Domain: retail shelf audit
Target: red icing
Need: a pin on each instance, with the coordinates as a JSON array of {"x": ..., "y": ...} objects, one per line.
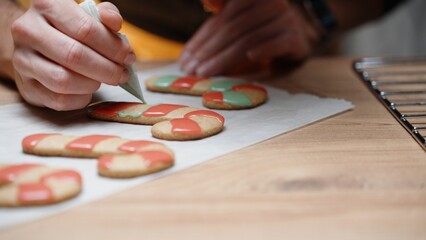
[
  {"x": 161, "y": 110},
  {"x": 186, "y": 82},
  {"x": 63, "y": 175},
  {"x": 185, "y": 126},
  {"x": 34, "y": 193},
  {"x": 87, "y": 143},
  {"x": 249, "y": 86},
  {"x": 133, "y": 146},
  {"x": 10, "y": 173},
  {"x": 206, "y": 113},
  {"x": 104, "y": 162},
  {"x": 213, "y": 97},
  {"x": 111, "y": 109},
  {"x": 153, "y": 158},
  {"x": 32, "y": 140}
]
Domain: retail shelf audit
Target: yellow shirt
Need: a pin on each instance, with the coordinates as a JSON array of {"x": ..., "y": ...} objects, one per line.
[{"x": 147, "y": 46}]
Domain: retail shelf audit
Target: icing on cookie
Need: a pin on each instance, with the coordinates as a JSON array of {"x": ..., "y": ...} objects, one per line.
[
  {"x": 153, "y": 158},
  {"x": 87, "y": 143},
  {"x": 111, "y": 109},
  {"x": 236, "y": 98},
  {"x": 63, "y": 175},
  {"x": 185, "y": 126},
  {"x": 186, "y": 82},
  {"x": 222, "y": 86},
  {"x": 213, "y": 97},
  {"x": 10, "y": 173},
  {"x": 133, "y": 146},
  {"x": 104, "y": 162},
  {"x": 124, "y": 114},
  {"x": 161, "y": 110},
  {"x": 165, "y": 81},
  {"x": 33, "y": 140},
  {"x": 34, "y": 192},
  {"x": 206, "y": 113},
  {"x": 230, "y": 97}
]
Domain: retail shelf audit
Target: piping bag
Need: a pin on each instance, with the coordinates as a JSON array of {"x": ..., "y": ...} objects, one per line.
[{"x": 132, "y": 86}]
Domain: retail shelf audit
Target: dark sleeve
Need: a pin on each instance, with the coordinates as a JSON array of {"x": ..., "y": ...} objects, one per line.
[
  {"x": 173, "y": 19},
  {"x": 389, "y": 5}
]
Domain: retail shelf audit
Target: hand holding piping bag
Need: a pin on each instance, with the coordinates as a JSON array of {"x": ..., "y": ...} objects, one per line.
[{"x": 132, "y": 85}]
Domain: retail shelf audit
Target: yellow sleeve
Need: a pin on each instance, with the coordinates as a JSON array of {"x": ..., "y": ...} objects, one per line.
[{"x": 147, "y": 46}]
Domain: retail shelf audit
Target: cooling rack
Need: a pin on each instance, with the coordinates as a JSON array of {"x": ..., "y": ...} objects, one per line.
[{"x": 400, "y": 84}]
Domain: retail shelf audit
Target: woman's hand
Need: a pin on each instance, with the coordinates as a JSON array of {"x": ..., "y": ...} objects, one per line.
[
  {"x": 249, "y": 30},
  {"x": 62, "y": 54}
]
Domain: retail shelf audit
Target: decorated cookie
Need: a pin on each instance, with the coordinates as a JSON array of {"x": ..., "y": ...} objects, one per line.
[
  {"x": 217, "y": 94},
  {"x": 118, "y": 157},
  {"x": 170, "y": 121},
  {"x": 36, "y": 184},
  {"x": 135, "y": 164}
]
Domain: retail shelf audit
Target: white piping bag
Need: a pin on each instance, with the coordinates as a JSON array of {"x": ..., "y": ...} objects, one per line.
[{"x": 132, "y": 85}]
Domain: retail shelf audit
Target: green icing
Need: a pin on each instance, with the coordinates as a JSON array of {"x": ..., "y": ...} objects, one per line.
[
  {"x": 221, "y": 86},
  {"x": 236, "y": 98},
  {"x": 165, "y": 81},
  {"x": 124, "y": 114}
]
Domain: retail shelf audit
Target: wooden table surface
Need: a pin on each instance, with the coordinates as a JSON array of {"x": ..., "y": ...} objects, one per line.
[{"x": 358, "y": 175}]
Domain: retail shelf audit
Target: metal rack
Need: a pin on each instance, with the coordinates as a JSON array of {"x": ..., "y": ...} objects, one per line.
[{"x": 400, "y": 84}]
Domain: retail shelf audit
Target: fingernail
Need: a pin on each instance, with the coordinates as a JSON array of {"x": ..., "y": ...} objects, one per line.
[
  {"x": 253, "y": 54},
  {"x": 130, "y": 59},
  {"x": 124, "y": 76},
  {"x": 184, "y": 57},
  {"x": 113, "y": 13},
  {"x": 203, "y": 70},
  {"x": 191, "y": 66}
]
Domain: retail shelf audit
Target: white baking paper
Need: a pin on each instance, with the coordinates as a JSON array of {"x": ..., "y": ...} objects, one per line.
[{"x": 283, "y": 112}]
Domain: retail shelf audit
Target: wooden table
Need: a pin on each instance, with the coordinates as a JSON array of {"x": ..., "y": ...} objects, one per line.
[{"x": 358, "y": 175}]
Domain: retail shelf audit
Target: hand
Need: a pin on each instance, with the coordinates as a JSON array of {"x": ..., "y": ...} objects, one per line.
[
  {"x": 62, "y": 54},
  {"x": 249, "y": 30}
]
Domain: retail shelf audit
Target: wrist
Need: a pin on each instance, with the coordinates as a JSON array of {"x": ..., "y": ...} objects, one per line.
[{"x": 319, "y": 16}]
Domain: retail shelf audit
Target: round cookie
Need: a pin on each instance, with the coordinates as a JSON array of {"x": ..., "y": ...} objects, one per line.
[
  {"x": 170, "y": 121},
  {"x": 226, "y": 94},
  {"x": 36, "y": 184}
]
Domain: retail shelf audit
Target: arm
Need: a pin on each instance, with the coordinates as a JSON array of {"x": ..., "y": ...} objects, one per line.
[{"x": 9, "y": 12}]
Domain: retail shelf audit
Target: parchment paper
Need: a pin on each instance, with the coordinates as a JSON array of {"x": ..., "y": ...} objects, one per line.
[{"x": 282, "y": 113}]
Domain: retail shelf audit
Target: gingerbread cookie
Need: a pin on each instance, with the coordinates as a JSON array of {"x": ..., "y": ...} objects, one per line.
[
  {"x": 170, "y": 121},
  {"x": 217, "y": 94},
  {"x": 36, "y": 184},
  {"x": 118, "y": 157}
]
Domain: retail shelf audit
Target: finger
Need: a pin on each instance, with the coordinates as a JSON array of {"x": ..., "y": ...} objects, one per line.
[
  {"x": 232, "y": 8},
  {"x": 197, "y": 40},
  {"x": 236, "y": 52},
  {"x": 290, "y": 45},
  {"x": 236, "y": 28},
  {"x": 67, "y": 52},
  {"x": 70, "y": 19},
  {"x": 110, "y": 16},
  {"x": 38, "y": 95},
  {"x": 54, "y": 77}
]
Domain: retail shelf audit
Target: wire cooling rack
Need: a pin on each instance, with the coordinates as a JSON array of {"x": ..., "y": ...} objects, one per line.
[{"x": 400, "y": 84}]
